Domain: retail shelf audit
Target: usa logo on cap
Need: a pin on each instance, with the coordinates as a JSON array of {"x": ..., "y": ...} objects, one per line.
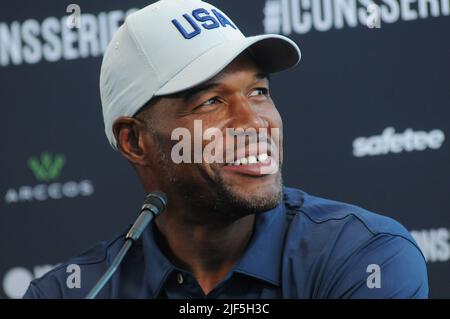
[{"x": 208, "y": 22}]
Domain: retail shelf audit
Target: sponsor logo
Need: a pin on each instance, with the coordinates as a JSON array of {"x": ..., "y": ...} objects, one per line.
[
  {"x": 17, "y": 279},
  {"x": 434, "y": 243},
  {"x": 47, "y": 168},
  {"x": 391, "y": 142},
  {"x": 76, "y": 36},
  {"x": 303, "y": 16}
]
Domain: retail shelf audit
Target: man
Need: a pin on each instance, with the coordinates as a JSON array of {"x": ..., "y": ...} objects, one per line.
[{"x": 230, "y": 230}]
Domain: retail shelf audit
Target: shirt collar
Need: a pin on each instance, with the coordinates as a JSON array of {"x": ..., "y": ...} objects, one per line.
[
  {"x": 261, "y": 259},
  {"x": 157, "y": 266}
]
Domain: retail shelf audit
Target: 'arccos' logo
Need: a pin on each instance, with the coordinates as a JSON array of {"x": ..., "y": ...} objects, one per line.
[{"x": 47, "y": 169}]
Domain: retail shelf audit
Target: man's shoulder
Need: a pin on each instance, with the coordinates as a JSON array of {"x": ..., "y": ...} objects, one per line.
[
  {"x": 333, "y": 245},
  {"x": 338, "y": 229},
  {"x": 326, "y": 213},
  {"x": 61, "y": 281}
]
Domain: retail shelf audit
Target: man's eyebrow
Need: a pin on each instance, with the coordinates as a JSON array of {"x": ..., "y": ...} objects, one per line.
[
  {"x": 262, "y": 76},
  {"x": 196, "y": 90}
]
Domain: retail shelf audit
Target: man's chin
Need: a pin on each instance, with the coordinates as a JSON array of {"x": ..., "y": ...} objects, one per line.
[
  {"x": 257, "y": 203},
  {"x": 251, "y": 199}
]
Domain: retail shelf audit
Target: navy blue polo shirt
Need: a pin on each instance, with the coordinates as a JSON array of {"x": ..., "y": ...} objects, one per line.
[{"x": 306, "y": 247}]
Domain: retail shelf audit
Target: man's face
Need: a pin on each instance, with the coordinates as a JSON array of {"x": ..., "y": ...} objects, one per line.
[{"x": 237, "y": 98}]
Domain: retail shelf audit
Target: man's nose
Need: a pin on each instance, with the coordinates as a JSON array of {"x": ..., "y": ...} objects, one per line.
[{"x": 246, "y": 115}]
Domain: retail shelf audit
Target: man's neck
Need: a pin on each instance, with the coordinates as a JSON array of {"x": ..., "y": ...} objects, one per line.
[{"x": 208, "y": 251}]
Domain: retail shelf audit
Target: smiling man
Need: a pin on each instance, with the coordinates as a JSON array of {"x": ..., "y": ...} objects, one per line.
[{"x": 230, "y": 230}]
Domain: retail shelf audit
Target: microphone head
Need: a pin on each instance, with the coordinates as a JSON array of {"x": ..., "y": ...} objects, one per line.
[{"x": 156, "y": 198}]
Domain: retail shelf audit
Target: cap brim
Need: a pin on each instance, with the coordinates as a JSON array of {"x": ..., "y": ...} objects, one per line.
[{"x": 272, "y": 52}]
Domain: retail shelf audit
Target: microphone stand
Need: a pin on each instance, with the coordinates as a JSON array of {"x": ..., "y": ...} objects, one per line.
[{"x": 154, "y": 204}]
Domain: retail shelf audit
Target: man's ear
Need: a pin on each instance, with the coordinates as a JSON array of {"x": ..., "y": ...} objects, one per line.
[{"x": 132, "y": 139}]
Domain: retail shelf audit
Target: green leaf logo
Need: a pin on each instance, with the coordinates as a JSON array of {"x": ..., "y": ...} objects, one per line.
[{"x": 48, "y": 167}]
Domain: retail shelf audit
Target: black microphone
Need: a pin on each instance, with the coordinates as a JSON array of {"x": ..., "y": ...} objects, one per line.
[{"x": 154, "y": 204}]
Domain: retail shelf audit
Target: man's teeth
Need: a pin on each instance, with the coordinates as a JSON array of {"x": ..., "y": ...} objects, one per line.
[
  {"x": 263, "y": 157},
  {"x": 250, "y": 160}
]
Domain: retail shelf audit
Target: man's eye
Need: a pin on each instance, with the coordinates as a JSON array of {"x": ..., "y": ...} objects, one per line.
[
  {"x": 259, "y": 91},
  {"x": 212, "y": 101}
]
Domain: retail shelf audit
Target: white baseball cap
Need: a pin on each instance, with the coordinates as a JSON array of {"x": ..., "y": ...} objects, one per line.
[{"x": 174, "y": 45}]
